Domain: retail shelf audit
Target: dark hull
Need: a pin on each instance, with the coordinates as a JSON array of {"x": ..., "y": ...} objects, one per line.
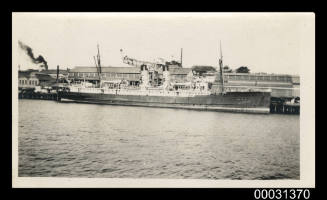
[{"x": 248, "y": 102}]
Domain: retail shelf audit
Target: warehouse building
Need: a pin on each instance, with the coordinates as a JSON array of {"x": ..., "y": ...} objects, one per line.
[{"x": 130, "y": 74}]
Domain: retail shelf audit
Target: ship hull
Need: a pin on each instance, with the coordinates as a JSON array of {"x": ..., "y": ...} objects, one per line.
[{"x": 244, "y": 102}]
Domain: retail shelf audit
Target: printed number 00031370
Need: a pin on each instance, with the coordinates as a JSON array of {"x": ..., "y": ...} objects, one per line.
[{"x": 281, "y": 194}]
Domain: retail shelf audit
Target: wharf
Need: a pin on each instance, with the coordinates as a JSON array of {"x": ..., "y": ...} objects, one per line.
[
  {"x": 36, "y": 95},
  {"x": 285, "y": 108}
]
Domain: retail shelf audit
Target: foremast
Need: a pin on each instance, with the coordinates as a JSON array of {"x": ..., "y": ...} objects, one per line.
[
  {"x": 98, "y": 64},
  {"x": 218, "y": 86},
  {"x": 221, "y": 70}
]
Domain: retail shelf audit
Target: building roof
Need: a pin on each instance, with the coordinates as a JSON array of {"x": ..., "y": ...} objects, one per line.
[
  {"x": 26, "y": 73},
  {"x": 44, "y": 77},
  {"x": 128, "y": 70},
  {"x": 133, "y": 70},
  {"x": 180, "y": 71},
  {"x": 261, "y": 74},
  {"x": 54, "y": 71},
  {"x": 23, "y": 74}
]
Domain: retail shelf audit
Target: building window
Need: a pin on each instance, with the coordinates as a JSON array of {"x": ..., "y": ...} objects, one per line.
[{"x": 282, "y": 78}]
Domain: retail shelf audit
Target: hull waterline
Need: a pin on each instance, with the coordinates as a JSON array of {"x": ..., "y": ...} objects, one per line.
[{"x": 241, "y": 102}]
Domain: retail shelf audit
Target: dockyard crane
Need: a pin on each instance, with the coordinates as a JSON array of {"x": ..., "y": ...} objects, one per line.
[{"x": 152, "y": 66}]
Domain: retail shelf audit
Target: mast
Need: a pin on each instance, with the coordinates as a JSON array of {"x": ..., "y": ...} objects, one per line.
[
  {"x": 181, "y": 57},
  {"x": 98, "y": 64},
  {"x": 57, "y": 74},
  {"x": 221, "y": 68}
]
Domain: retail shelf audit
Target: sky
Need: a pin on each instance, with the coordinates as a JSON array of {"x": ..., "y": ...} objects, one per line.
[{"x": 264, "y": 42}]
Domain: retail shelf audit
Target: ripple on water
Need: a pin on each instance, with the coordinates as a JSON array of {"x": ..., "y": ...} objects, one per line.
[{"x": 135, "y": 142}]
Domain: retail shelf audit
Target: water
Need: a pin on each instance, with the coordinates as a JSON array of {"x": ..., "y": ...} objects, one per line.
[{"x": 84, "y": 140}]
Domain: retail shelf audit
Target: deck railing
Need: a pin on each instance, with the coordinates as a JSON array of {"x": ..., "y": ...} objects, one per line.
[{"x": 139, "y": 92}]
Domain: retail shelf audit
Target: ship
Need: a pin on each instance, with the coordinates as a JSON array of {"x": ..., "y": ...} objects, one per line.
[{"x": 197, "y": 94}]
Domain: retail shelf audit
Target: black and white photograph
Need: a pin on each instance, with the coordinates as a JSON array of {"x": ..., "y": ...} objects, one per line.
[{"x": 163, "y": 99}]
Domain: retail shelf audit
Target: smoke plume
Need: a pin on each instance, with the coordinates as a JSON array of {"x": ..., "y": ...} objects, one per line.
[{"x": 29, "y": 52}]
